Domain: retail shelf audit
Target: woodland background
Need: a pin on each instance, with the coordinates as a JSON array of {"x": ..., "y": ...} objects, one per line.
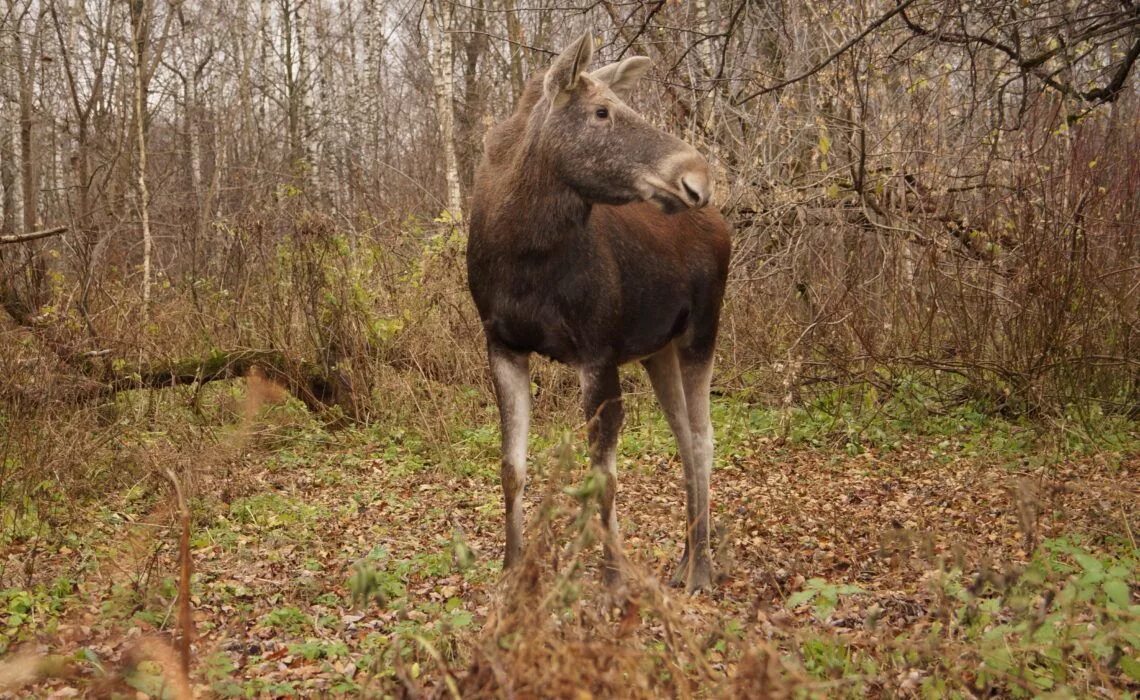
[{"x": 936, "y": 208}]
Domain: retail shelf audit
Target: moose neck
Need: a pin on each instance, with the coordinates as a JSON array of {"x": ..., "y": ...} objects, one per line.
[{"x": 542, "y": 211}]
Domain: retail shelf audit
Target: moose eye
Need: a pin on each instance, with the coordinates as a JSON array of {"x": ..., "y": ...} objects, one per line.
[{"x": 601, "y": 113}]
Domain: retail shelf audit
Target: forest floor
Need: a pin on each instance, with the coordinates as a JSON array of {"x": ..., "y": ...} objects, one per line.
[{"x": 960, "y": 556}]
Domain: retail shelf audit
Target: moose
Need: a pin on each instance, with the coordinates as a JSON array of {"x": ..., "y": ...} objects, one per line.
[{"x": 591, "y": 243}]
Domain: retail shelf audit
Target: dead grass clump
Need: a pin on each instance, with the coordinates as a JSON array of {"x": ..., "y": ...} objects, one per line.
[
  {"x": 149, "y": 665},
  {"x": 28, "y": 666}
]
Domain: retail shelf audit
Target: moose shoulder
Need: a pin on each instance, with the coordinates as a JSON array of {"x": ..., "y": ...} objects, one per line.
[{"x": 591, "y": 244}]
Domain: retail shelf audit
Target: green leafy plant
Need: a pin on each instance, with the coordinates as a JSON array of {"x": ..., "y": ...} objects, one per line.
[
  {"x": 823, "y": 596},
  {"x": 1069, "y": 614},
  {"x": 313, "y": 649},
  {"x": 287, "y": 619}
]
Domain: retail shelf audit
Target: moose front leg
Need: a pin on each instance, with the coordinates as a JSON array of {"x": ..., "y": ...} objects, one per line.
[
  {"x": 601, "y": 394},
  {"x": 510, "y": 373}
]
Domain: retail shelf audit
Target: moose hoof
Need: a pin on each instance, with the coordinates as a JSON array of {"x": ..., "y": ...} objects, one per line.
[
  {"x": 511, "y": 558},
  {"x": 611, "y": 576},
  {"x": 681, "y": 573},
  {"x": 698, "y": 579}
]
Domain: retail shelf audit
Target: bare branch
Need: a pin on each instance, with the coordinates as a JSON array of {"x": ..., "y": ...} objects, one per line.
[
  {"x": 1034, "y": 65},
  {"x": 847, "y": 45}
]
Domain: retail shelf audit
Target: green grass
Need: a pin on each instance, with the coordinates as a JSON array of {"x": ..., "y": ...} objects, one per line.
[{"x": 268, "y": 511}]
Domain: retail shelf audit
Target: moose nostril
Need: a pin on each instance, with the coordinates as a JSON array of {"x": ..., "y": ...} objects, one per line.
[{"x": 694, "y": 195}]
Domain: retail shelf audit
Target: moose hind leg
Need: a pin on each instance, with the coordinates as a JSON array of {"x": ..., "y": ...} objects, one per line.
[
  {"x": 601, "y": 396},
  {"x": 665, "y": 374},
  {"x": 510, "y": 373},
  {"x": 696, "y": 376}
]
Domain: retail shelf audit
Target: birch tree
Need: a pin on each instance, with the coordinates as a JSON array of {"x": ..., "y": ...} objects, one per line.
[
  {"x": 441, "y": 52},
  {"x": 139, "y": 44}
]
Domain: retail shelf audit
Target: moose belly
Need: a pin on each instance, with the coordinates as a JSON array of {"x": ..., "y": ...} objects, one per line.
[
  {"x": 545, "y": 335},
  {"x": 646, "y": 333},
  {"x": 564, "y": 338}
]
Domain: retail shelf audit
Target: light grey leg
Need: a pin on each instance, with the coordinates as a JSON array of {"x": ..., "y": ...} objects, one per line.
[
  {"x": 696, "y": 376},
  {"x": 665, "y": 374},
  {"x": 510, "y": 373},
  {"x": 601, "y": 398}
]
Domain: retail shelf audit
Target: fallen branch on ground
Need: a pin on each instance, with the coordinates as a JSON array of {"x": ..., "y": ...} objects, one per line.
[
  {"x": 317, "y": 389},
  {"x": 33, "y": 236}
]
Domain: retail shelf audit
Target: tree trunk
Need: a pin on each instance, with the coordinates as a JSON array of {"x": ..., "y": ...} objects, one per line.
[
  {"x": 515, "y": 35},
  {"x": 302, "y": 84},
  {"x": 293, "y": 78},
  {"x": 139, "y": 36},
  {"x": 8, "y": 130},
  {"x": 441, "y": 68},
  {"x": 194, "y": 145},
  {"x": 32, "y": 235},
  {"x": 28, "y": 179},
  {"x": 27, "y": 286},
  {"x": 705, "y": 50},
  {"x": 318, "y": 389},
  {"x": 472, "y": 127},
  {"x": 374, "y": 55},
  {"x": 7, "y": 181}
]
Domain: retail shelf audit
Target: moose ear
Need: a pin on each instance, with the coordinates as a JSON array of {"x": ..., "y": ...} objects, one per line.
[
  {"x": 562, "y": 77},
  {"x": 622, "y": 76}
]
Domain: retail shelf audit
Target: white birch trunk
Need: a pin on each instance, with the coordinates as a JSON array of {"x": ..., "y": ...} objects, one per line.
[
  {"x": 309, "y": 142},
  {"x": 441, "y": 68},
  {"x": 194, "y": 138},
  {"x": 139, "y": 42},
  {"x": 705, "y": 50},
  {"x": 375, "y": 76}
]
